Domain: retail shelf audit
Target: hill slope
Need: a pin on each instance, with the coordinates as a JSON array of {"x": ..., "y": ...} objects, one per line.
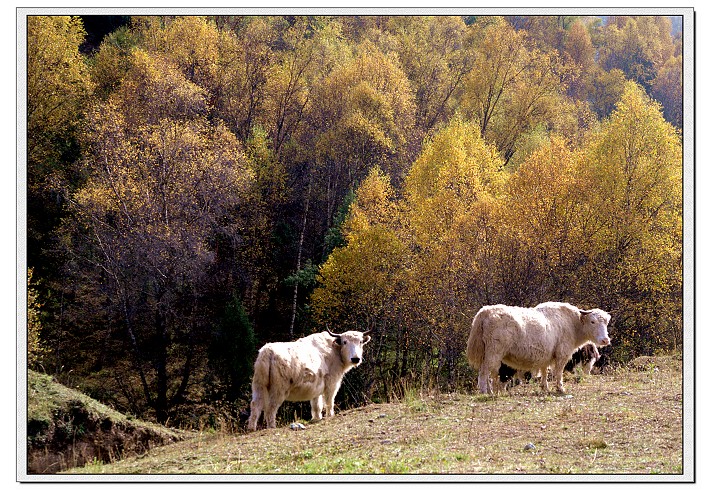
[
  {"x": 66, "y": 428},
  {"x": 627, "y": 421}
]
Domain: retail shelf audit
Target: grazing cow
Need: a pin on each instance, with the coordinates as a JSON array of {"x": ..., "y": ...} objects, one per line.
[
  {"x": 585, "y": 357},
  {"x": 506, "y": 374},
  {"x": 508, "y": 377},
  {"x": 531, "y": 339},
  {"x": 310, "y": 368}
]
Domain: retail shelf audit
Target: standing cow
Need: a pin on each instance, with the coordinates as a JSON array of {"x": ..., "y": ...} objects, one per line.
[
  {"x": 531, "y": 339},
  {"x": 310, "y": 368}
]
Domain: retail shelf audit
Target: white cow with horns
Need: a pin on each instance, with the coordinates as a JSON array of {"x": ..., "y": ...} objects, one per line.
[
  {"x": 311, "y": 368},
  {"x": 531, "y": 339}
]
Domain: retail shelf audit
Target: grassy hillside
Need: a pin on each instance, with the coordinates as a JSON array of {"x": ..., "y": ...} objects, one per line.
[
  {"x": 627, "y": 421},
  {"x": 66, "y": 428}
]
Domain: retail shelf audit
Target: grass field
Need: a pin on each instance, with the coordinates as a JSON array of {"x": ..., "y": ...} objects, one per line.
[{"x": 628, "y": 421}]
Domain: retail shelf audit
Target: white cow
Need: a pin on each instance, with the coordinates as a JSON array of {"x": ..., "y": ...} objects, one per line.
[
  {"x": 310, "y": 368},
  {"x": 531, "y": 339}
]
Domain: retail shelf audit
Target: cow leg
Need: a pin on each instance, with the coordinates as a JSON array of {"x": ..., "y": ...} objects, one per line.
[
  {"x": 270, "y": 409},
  {"x": 257, "y": 405},
  {"x": 329, "y": 404},
  {"x": 329, "y": 396},
  {"x": 483, "y": 381},
  {"x": 559, "y": 373},
  {"x": 254, "y": 416},
  {"x": 519, "y": 378},
  {"x": 543, "y": 380},
  {"x": 270, "y": 416},
  {"x": 317, "y": 408},
  {"x": 484, "y": 374}
]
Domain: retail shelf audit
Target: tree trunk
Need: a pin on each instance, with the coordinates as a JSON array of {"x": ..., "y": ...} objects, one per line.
[
  {"x": 298, "y": 257},
  {"x": 161, "y": 394}
]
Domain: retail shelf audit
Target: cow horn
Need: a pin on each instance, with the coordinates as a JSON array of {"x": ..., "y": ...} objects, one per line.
[
  {"x": 366, "y": 332},
  {"x": 585, "y": 312}
]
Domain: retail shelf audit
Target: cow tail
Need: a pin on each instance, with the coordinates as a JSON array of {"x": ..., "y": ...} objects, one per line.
[
  {"x": 262, "y": 370},
  {"x": 270, "y": 365},
  {"x": 475, "y": 346}
]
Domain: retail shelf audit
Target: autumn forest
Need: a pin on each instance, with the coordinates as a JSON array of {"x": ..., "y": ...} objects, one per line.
[{"x": 199, "y": 186}]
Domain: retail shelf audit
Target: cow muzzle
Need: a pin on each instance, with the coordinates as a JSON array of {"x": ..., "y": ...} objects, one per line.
[
  {"x": 605, "y": 341},
  {"x": 355, "y": 360}
]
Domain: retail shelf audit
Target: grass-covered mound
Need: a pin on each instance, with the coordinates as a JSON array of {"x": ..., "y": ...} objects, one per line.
[{"x": 66, "y": 428}]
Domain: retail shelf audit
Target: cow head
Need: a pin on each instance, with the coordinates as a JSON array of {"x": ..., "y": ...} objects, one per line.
[
  {"x": 594, "y": 324},
  {"x": 350, "y": 344}
]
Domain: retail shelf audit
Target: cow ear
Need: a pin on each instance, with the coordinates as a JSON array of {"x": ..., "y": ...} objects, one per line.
[
  {"x": 583, "y": 314},
  {"x": 338, "y": 341}
]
